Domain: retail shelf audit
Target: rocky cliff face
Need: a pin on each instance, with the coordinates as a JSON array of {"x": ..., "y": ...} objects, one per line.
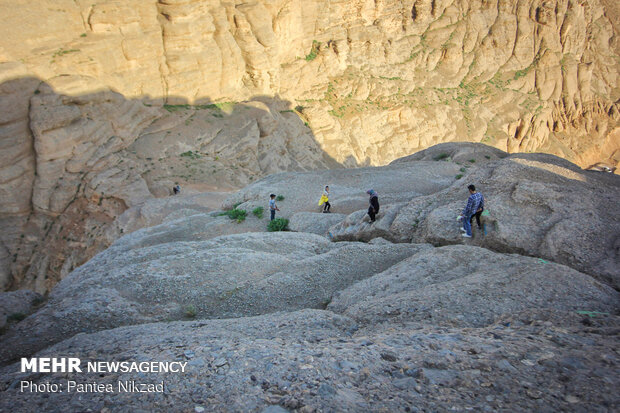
[
  {"x": 252, "y": 88},
  {"x": 378, "y": 79}
]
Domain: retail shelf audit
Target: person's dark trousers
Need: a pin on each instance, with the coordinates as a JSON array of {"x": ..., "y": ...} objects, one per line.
[
  {"x": 326, "y": 207},
  {"x": 371, "y": 213},
  {"x": 273, "y": 214},
  {"x": 477, "y": 215}
]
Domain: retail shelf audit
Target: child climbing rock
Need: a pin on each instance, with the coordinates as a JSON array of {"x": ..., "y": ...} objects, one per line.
[
  {"x": 325, "y": 200},
  {"x": 272, "y": 206}
]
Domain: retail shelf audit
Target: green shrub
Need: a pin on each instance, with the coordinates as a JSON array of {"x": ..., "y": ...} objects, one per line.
[
  {"x": 18, "y": 316},
  {"x": 472, "y": 160},
  {"x": 62, "y": 51},
  {"x": 174, "y": 108},
  {"x": 314, "y": 51},
  {"x": 280, "y": 198},
  {"x": 190, "y": 154},
  {"x": 462, "y": 169},
  {"x": 258, "y": 212},
  {"x": 487, "y": 156},
  {"x": 190, "y": 311},
  {"x": 278, "y": 224},
  {"x": 38, "y": 301},
  {"x": 225, "y": 106},
  {"x": 459, "y": 176},
  {"x": 441, "y": 156},
  {"x": 235, "y": 214}
]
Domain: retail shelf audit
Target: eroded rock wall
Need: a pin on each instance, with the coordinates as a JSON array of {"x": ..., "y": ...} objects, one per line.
[{"x": 377, "y": 79}]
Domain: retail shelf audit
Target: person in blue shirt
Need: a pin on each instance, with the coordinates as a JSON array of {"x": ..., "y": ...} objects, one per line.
[
  {"x": 474, "y": 207},
  {"x": 272, "y": 206}
]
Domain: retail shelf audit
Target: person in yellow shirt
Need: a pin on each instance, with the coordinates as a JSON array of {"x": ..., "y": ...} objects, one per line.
[{"x": 325, "y": 200}]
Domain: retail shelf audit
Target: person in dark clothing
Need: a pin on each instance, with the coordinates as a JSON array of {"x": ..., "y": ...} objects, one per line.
[
  {"x": 373, "y": 209},
  {"x": 176, "y": 189}
]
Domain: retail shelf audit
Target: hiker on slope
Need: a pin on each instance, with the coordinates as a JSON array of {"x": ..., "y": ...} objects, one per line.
[
  {"x": 325, "y": 200},
  {"x": 373, "y": 209},
  {"x": 474, "y": 208},
  {"x": 272, "y": 206}
]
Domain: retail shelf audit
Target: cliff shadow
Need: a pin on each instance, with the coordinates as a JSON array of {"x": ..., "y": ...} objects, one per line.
[{"x": 77, "y": 160}]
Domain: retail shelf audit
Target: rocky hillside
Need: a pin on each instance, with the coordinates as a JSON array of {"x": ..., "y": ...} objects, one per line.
[
  {"x": 523, "y": 316},
  {"x": 106, "y": 104}
]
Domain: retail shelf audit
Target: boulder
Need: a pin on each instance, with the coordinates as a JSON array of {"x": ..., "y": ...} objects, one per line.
[
  {"x": 462, "y": 152},
  {"x": 357, "y": 226},
  {"x": 465, "y": 286},
  {"x": 314, "y": 223}
]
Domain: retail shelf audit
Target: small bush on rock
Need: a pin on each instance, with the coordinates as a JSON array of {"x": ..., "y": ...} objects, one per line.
[
  {"x": 278, "y": 224},
  {"x": 235, "y": 214},
  {"x": 258, "y": 212},
  {"x": 190, "y": 311},
  {"x": 314, "y": 51}
]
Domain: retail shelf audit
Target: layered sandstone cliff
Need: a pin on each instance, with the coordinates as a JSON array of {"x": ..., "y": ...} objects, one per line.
[
  {"x": 379, "y": 79},
  {"x": 254, "y": 87}
]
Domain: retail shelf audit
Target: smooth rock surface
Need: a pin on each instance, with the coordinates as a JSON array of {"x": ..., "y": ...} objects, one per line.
[
  {"x": 147, "y": 277},
  {"x": 314, "y": 222},
  {"x": 470, "y": 286}
]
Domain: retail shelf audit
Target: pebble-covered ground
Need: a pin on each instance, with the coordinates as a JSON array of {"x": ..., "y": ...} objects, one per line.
[{"x": 317, "y": 361}]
